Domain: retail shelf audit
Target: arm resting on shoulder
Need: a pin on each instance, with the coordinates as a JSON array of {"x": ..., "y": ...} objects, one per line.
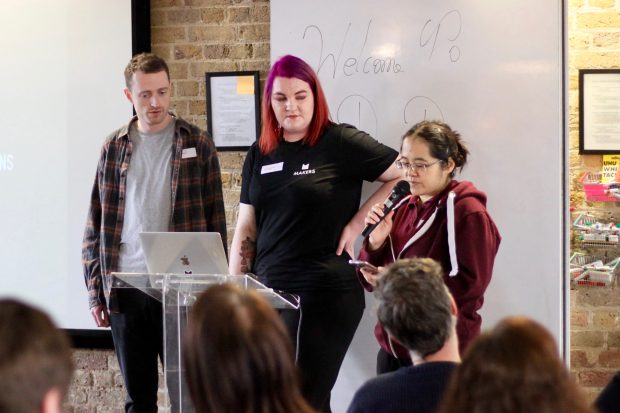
[{"x": 356, "y": 225}]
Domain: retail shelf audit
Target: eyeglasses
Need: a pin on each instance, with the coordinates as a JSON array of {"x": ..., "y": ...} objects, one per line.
[{"x": 413, "y": 167}]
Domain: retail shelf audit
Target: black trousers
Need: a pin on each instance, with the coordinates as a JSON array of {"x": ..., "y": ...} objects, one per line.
[
  {"x": 137, "y": 331},
  {"x": 322, "y": 332}
]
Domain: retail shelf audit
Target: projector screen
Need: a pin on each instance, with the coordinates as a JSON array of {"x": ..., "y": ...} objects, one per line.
[{"x": 62, "y": 70}]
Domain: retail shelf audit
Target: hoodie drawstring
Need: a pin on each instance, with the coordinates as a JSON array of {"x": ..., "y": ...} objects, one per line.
[
  {"x": 451, "y": 237},
  {"x": 451, "y": 233}
]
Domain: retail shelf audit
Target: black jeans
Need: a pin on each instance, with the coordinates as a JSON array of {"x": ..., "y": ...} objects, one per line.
[
  {"x": 327, "y": 323},
  {"x": 137, "y": 331}
]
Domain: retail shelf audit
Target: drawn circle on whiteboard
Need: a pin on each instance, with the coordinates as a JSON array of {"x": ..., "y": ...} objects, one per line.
[
  {"x": 455, "y": 53},
  {"x": 420, "y": 108},
  {"x": 358, "y": 111}
]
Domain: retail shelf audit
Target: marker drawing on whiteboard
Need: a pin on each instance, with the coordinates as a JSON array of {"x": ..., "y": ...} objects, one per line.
[
  {"x": 358, "y": 111},
  {"x": 364, "y": 63},
  {"x": 422, "y": 108},
  {"x": 431, "y": 32}
]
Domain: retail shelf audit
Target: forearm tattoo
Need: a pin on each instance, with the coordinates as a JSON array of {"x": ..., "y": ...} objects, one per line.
[{"x": 248, "y": 254}]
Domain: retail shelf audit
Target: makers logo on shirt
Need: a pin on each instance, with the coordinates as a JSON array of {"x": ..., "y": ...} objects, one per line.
[{"x": 305, "y": 170}]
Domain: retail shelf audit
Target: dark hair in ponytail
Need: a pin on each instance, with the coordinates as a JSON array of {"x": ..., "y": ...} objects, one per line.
[{"x": 443, "y": 142}]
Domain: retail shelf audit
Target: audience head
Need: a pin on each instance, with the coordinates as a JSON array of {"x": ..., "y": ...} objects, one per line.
[
  {"x": 513, "y": 368},
  {"x": 291, "y": 67},
  {"x": 35, "y": 360},
  {"x": 415, "y": 306},
  {"x": 237, "y": 355},
  {"x": 444, "y": 144}
]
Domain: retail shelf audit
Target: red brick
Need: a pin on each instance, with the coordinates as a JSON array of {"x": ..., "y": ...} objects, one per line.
[
  {"x": 610, "y": 358},
  {"x": 579, "y": 359},
  {"x": 594, "y": 378}
]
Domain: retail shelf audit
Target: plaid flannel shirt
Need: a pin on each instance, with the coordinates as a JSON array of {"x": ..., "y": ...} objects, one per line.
[{"x": 197, "y": 203}]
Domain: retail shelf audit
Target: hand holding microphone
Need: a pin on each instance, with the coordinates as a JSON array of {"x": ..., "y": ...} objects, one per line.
[{"x": 378, "y": 213}]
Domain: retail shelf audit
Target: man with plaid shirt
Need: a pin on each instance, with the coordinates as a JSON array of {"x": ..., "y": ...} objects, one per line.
[{"x": 158, "y": 173}]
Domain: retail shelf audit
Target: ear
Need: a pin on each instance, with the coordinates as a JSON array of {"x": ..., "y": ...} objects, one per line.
[
  {"x": 128, "y": 95},
  {"x": 453, "y": 308},
  {"x": 450, "y": 166},
  {"x": 52, "y": 400}
]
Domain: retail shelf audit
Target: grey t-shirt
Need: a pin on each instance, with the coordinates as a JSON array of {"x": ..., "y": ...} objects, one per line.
[{"x": 148, "y": 193}]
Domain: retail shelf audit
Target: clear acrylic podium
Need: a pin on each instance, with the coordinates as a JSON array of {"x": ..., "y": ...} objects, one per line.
[{"x": 178, "y": 292}]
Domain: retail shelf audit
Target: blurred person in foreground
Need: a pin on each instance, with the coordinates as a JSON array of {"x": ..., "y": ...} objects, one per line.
[
  {"x": 514, "y": 368},
  {"x": 36, "y": 363},
  {"x": 237, "y": 355}
]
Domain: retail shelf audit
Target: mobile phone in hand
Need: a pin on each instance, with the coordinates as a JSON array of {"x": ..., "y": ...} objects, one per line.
[{"x": 364, "y": 264}]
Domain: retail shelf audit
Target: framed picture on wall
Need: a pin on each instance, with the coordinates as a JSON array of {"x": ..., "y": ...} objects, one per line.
[
  {"x": 233, "y": 109},
  {"x": 599, "y": 111}
]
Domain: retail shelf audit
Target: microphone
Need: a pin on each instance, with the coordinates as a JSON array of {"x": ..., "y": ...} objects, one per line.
[{"x": 399, "y": 192}]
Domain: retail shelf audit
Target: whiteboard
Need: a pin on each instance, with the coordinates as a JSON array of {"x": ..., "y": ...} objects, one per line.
[{"x": 494, "y": 72}]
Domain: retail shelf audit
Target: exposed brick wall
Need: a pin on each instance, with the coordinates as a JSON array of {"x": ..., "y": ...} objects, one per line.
[
  {"x": 198, "y": 36},
  {"x": 594, "y": 43}
]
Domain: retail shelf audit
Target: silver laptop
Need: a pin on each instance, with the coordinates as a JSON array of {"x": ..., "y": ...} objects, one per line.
[{"x": 184, "y": 252}]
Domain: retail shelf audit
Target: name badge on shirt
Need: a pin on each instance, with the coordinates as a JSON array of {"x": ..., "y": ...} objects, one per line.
[
  {"x": 188, "y": 153},
  {"x": 274, "y": 167}
]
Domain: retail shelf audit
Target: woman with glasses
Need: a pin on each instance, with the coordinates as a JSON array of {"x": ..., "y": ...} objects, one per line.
[
  {"x": 443, "y": 219},
  {"x": 299, "y": 216}
]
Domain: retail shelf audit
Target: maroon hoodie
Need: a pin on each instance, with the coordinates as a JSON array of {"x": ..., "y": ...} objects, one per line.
[{"x": 476, "y": 243}]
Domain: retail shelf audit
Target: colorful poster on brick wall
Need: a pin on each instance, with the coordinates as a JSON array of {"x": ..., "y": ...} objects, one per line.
[{"x": 611, "y": 164}]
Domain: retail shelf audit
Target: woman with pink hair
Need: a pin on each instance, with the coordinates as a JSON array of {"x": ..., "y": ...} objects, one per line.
[{"x": 299, "y": 216}]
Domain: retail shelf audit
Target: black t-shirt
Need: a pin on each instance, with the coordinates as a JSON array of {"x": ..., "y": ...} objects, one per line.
[{"x": 303, "y": 198}]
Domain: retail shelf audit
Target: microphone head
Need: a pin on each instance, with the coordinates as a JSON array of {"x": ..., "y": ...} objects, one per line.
[{"x": 402, "y": 188}]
